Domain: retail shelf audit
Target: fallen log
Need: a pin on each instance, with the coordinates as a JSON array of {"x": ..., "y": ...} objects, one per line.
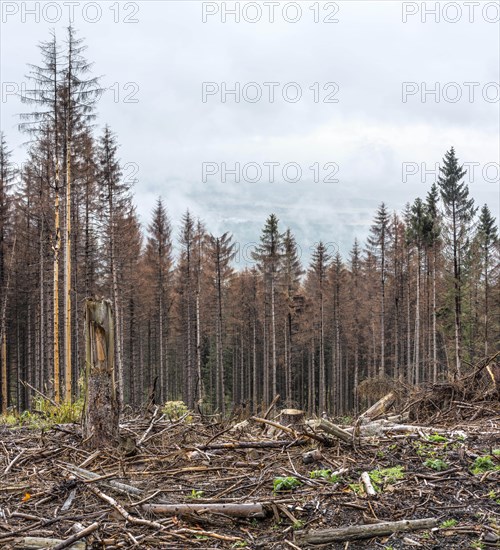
[
  {"x": 354, "y": 532},
  {"x": 380, "y": 407},
  {"x": 274, "y": 425},
  {"x": 253, "y": 444},
  {"x": 36, "y": 543},
  {"x": 240, "y": 510},
  {"x": 383, "y": 426},
  {"x": 68, "y": 543},
  {"x": 330, "y": 428},
  {"x": 92, "y": 476},
  {"x": 367, "y": 482},
  {"x": 121, "y": 510}
]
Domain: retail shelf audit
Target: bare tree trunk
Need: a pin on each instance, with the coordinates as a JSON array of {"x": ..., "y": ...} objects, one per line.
[
  {"x": 116, "y": 307},
  {"x": 289, "y": 390},
  {"x": 254, "y": 367},
  {"x": 3, "y": 334},
  {"x": 408, "y": 324},
  {"x": 486, "y": 301},
  {"x": 273, "y": 330},
  {"x": 242, "y": 368},
  {"x": 417, "y": 325},
  {"x": 101, "y": 413},
  {"x": 265, "y": 385},
  {"x": 458, "y": 290},
  {"x": 221, "y": 397},
  {"x": 434, "y": 329},
  {"x": 67, "y": 276},
  {"x": 163, "y": 373},
  {"x": 382, "y": 315},
  {"x": 286, "y": 362},
  {"x": 56, "y": 248},
  {"x": 322, "y": 374},
  {"x": 198, "y": 344},
  {"x": 356, "y": 379}
]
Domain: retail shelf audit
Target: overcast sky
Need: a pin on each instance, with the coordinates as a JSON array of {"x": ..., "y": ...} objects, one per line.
[{"x": 365, "y": 129}]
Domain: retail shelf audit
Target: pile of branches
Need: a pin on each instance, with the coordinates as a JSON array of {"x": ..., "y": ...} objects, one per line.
[
  {"x": 266, "y": 483},
  {"x": 473, "y": 396}
]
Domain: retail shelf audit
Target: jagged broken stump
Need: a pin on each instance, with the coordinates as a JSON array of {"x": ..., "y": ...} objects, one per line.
[{"x": 101, "y": 413}]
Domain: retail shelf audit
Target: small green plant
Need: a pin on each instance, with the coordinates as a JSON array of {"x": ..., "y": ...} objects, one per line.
[
  {"x": 196, "y": 494},
  {"x": 285, "y": 483},
  {"x": 174, "y": 410},
  {"x": 483, "y": 464},
  {"x": 493, "y": 495},
  {"x": 240, "y": 544},
  {"x": 9, "y": 419},
  {"x": 436, "y": 438},
  {"x": 424, "y": 450},
  {"x": 356, "y": 488},
  {"x": 477, "y": 544},
  {"x": 386, "y": 476},
  {"x": 448, "y": 523},
  {"x": 298, "y": 524},
  {"x": 324, "y": 474},
  {"x": 45, "y": 414},
  {"x": 496, "y": 452},
  {"x": 436, "y": 464}
]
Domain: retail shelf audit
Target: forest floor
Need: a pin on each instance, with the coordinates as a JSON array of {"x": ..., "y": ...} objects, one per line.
[{"x": 450, "y": 473}]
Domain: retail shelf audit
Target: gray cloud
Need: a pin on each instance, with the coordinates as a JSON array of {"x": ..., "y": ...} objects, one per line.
[{"x": 370, "y": 133}]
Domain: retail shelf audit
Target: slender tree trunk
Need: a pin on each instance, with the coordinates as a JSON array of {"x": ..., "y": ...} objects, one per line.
[
  {"x": 289, "y": 390},
  {"x": 219, "y": 343},
  {"x": 116, "y": 307},
  {"x": 434, "y": 329},
  {"x": 338, "y": 357},
  {"x": 56, "y": 249},
  {"x": 417, "y": 325},
  {"x": 322, "y": 377},
  {"x": 311, "y": 381},
  {"x": 285, "y": 334},
  {"x": 198, "y": 345},
  {"x": 163, "y": 373},
  {"x": 486, "y": 302},
  {"x": 41, "y": 327},
  {"x": 458, "y": 290},
  {"x": 3, "y": 333},
  {"x": 242, "y": 368},
  {"x": 254, "y": 367},
  {"x": 67, "y": 277},
  {"x": 382, "y": 314},
  {"x": 265, "y": 385},
  {"x": 356, "y": 379},
  {"x": 273, "y": 330},
  {"x": 408, "y": 323}
]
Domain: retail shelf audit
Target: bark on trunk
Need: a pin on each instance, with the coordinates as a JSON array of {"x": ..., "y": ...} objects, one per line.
[{"x": 100, "y": 419}]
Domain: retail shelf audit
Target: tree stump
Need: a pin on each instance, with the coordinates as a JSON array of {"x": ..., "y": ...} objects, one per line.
[
  {"x": 101, "y": 412},
  {"x": 292, "y": 417}
]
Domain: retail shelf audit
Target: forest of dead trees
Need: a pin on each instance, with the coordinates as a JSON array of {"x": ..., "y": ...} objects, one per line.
[{"x": 418, "y": 302}]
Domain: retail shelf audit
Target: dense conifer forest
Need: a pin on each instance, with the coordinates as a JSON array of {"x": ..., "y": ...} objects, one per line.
[{"x": 418, "y": 302}]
